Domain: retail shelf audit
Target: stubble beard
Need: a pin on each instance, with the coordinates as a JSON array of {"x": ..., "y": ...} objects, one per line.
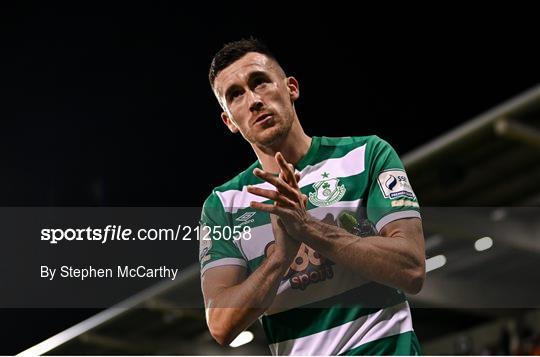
[{"x": 274, "y": 136}]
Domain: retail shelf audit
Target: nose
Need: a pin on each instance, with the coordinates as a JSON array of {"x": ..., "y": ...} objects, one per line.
[{"x": 255, "y": 102}]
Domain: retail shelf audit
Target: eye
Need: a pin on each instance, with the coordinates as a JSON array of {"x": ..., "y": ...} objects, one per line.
[
  {"x": 234, "y": 94},
  {"x": 259, "y": 81}
]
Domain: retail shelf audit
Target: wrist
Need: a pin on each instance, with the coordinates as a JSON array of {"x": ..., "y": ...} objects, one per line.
[
  {"x": 315, "y": 233},
  {"x": 280, "y": 260},
  {"x": 277, "y": 259},
  {"x": 306, "y": 228}
]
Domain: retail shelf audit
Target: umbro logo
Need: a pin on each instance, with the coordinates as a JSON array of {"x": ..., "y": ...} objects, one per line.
[{"x": 246, "y": 216}]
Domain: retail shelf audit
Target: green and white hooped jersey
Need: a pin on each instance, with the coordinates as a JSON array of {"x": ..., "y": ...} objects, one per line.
[{"x": 322, "y": 308}]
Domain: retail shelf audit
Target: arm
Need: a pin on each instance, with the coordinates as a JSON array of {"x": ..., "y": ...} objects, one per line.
[
  {"x": 233, "y": 302},
  {"x": 395, "y": 258}
]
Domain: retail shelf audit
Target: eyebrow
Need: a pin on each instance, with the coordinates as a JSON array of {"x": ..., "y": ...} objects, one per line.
[{"x": 251, "y": 75}]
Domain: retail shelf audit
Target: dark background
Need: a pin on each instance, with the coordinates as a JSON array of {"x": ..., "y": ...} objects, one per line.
[{"x": 109, "y": 105}]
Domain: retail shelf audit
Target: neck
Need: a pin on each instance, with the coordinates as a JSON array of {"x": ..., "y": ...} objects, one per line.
[{"x": 293, "y": 148}]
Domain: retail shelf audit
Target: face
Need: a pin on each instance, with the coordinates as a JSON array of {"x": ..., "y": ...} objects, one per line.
[{"x": 257, "y": 99}]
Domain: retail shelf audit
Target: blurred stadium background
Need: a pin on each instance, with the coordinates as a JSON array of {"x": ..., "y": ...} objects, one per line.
[
  {"x": 109, "y": 106},
  {"x": 481, "y": 289}
]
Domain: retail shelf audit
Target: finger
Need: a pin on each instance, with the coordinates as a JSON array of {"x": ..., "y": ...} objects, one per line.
[
  {"x": 283, "y": 187},
  {"x": 272, "y": 195},
  {"x": 264, "y": 207},
  {"x": 287, "y": 169},
  {"x": 296, "y": 178}
]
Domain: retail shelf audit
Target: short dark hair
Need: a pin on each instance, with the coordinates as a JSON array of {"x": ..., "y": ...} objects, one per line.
[{"x": 233, "y": 51}]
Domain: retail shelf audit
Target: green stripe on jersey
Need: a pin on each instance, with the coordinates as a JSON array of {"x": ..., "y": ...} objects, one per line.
[
  {"x": 329, "y": 313},
  {"x": 403, "y": 344}
]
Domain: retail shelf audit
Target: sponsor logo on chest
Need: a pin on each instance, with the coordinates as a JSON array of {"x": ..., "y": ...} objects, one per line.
[{"x": 308, "y": 267}]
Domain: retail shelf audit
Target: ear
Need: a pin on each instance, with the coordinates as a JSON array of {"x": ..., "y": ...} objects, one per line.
[
  {"x": 294, "y": 89},
  {"x": 230, "y": 124}
]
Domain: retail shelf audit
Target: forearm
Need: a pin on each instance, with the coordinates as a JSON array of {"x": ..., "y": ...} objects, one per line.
[
  {"x": 236, "y": 308},
  {"x": 394, "y": 261}
]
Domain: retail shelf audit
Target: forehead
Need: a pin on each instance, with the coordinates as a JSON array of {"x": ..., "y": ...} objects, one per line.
[{"x": 239, "y": 70}]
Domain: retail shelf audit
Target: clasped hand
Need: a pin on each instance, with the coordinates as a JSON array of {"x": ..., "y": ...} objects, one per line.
[{"x": 289, "y": 202}]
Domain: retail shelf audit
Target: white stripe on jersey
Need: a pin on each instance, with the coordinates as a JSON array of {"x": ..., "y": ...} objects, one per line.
[
  {"x": 349, "y": 165},
  {"x": 384, "y": 323},
  {"x": 395, "y": 216},
  {"x": 223, "y": 262}
]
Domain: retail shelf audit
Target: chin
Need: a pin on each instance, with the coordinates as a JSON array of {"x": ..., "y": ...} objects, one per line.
[{"x": 272, "y": 136}]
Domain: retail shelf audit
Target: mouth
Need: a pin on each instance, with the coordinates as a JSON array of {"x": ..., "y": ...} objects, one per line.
[{"x": 262, "y": 118}]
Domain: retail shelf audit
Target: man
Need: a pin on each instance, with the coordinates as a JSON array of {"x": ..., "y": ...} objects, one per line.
[{"x": 317, "y": 287}]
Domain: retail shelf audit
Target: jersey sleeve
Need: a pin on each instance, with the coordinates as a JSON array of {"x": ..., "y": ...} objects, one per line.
[
  {"x": 213, "y": 251},
  {"x": 390, "y": 196}
]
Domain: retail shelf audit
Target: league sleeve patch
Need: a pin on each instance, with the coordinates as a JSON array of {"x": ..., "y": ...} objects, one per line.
[{"x": 395, "y": 184}]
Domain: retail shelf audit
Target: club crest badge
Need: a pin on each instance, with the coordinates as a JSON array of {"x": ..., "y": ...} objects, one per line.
[{"x": 327, "y": 191}]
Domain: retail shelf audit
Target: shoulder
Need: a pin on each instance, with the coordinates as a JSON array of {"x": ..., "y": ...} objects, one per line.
[
  {"x": 369, "y": 145},
  {"x": 351, "y": 141},
  {"x": 371, "y": 150},
  {"x": 244, "y": 178},
  {"x": 235, "y": 184}
]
